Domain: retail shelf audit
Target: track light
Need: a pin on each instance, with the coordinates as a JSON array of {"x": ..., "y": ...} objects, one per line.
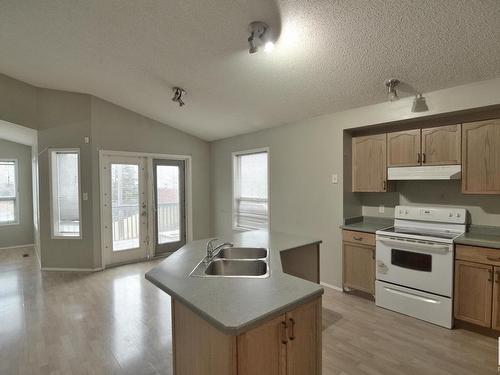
[
  {"x": 178, "y": 93},
  {"x": 419, "y": 104},
  {"x": 391, "y": 85},
  {"x": 260, "y": 35}
]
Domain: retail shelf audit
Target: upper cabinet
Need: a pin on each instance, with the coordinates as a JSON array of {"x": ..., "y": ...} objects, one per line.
[
  {"x": 442, "y": 145},
  {"x": 403, "y": 148},
  {"x": 481, "y": 157},
  {"x": 430, "y": 146},
  {"x": 369, "y": 163}
]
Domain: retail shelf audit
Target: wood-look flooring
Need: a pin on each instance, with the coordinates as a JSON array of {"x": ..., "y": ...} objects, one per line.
[{"x": 116, "y": 322}]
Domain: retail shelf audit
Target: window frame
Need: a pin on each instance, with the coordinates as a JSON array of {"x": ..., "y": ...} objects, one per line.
[
  {"x": 235, "y": 194},
  {"x": 16, "y": 199},
  {"x": 53, "y": 234}
]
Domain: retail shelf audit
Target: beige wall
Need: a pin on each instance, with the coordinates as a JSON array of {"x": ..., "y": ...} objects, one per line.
[
  {"x": 305, "y": 154},
  {"x": 22, "y": 233},
  {"x": 18, "y": 102},
  {"x": 118, "y": 129}
]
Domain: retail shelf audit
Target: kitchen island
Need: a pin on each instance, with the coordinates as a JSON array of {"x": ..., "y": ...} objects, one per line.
[{"x": 226, "y": 325}]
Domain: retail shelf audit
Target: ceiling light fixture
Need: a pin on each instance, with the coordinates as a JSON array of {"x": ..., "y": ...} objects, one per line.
[
  {"x": 178, "y": 93},
  {"x": 419, "y": 104},
  {"x": 260, "y": 35},
  {"x": 391, "y": 85}
]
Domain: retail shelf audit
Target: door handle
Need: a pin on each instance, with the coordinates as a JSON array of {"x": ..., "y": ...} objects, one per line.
[
  {"x": 357, "y": 238},
  {"x": 490, "y": 275},
  {"x": 284, "y": 338},
  {"x": 423, "y": 158},
  {"x": 419, "y": 158},
  {"x": 292, "y": 326}
]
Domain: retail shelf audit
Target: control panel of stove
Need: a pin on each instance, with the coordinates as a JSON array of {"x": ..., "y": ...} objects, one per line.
[{"x": 435, "y": 214}]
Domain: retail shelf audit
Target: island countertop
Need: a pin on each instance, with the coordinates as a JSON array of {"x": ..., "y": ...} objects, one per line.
[{"x": 235, "y": 305}]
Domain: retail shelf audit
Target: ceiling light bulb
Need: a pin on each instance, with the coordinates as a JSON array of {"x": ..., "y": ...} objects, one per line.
[
  {"x": 269, "y": 47},
  {"x": 391, "y": 85}
]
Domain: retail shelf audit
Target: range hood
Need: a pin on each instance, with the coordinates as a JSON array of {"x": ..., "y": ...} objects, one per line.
[{"x": 437, "y": 172}]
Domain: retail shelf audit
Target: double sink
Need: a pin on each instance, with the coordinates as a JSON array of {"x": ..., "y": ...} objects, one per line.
[{"x": 251, "y": 262}]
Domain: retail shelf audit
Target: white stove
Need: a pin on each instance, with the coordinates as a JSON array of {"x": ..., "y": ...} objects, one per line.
[{"x": 414, "y": 262}]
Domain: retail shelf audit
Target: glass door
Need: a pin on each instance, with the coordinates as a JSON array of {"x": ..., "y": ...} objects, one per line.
[
  {"x": 169, "y": 205},
  {"x": 125, "y": 209}
]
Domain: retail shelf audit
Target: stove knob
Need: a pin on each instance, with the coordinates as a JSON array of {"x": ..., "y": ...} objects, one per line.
[
  {"x": 451, "y": 214},
  {"x": 458, "y": 214}
]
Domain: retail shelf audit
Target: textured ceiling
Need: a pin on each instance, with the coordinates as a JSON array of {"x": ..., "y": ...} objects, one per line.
[{"x": 330, "y": 56}]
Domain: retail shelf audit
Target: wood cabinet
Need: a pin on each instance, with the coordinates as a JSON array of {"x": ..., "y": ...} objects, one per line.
[
  {"x": 477, "y": 286},
  {"x": 369, "y": 163},
  {"x": 481, "y": 157},
  {"x": 442, "y": 145},
  {"x": 403, "y": 148},
  {"x": 473, "y": 292},
  {"x": 358, "y": 253},
  {"x": 288, "y": 344}
]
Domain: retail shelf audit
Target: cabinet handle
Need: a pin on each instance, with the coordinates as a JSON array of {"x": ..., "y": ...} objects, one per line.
[
  {"x": 284, "y": 338},
  {"x": 292, "y": 326},
  {"x": 490, "y": 274},
  {"x": 497, "y": 276},
  {"x": 423, "y": 158},
  {"x": 419, "y": 158},
  {"x": 492, "y": 259},
  {"x": 385, "y": 186},
  {"x": 357, "y": 238}
]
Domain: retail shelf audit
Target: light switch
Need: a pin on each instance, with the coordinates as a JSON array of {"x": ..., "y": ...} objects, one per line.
[
  {"x": 335, "y": 179},
  {"x": 381, "y": 209},
  {"x": 85, "y": 196},
  {"x": 87, "y": 140}
]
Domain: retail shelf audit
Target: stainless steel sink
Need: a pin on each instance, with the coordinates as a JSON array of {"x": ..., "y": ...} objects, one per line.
[
  {"x": 242, "y": 253},
  {"x": 227, "y": 268}
]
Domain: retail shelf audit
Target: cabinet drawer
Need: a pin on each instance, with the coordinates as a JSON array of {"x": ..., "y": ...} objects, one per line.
[
  {"x": 359, "y": 237},
  {"x": 478, "y": 254}
]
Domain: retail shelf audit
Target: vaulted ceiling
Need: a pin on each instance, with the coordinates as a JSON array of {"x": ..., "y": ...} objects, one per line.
[{"x": 330, "y": 55}]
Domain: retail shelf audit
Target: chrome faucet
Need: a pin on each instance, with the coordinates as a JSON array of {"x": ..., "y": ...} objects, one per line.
[{"x": 212, "y": 251}]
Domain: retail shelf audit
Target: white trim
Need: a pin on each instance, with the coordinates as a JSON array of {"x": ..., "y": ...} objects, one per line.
[
  {"x": 234, "y": 154},
  {"x": 51, "y": 193},
  {"x": 16, "y": 199},
  {"x": 71, "y": 269},
  {"x": 332, "y": 286},
  {"x": 149, "y": 160},
  {"x": 17, "y": 247}
]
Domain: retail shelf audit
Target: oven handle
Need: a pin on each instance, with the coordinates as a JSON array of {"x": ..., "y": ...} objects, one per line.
[
  {"x": 428, "y": 248},
  {"x": 411, "y": 295}
]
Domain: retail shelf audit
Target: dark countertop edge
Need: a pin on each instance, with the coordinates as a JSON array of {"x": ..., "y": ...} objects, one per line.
[{"x": 235, "y": 331}]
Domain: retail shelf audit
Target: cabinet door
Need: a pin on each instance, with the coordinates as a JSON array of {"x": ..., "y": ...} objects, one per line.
[
  {"x": 369, "y": 163},
  {"x": 495, "y": 316},
  {"x": 481, "y": 157},
  {"x": 442, "y": 145},
  {"x": 359, "y": 267},
  {"x": 262, "y": 350},
  {"x": 403, "y": 148},
  {"x": 304, "y": 334},
  {"x": 473, "y": 292}
]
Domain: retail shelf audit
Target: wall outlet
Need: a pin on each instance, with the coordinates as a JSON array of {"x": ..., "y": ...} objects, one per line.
[
  {"x": 335, "y": 179},
  {"x": 381, "y": 209}
]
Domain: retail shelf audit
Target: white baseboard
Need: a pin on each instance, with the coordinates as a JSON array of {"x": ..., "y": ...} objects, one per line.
[
  {"x": 17, "y": 247},
  {"x": 57, "y": 269},
  {"x": 332, "y": 286}
]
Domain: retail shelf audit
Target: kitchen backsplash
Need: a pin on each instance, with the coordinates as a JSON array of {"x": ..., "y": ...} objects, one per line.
[{"x": 483, "y": 209}]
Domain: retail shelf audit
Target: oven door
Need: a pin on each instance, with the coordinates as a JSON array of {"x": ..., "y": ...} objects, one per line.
[{"x": 422, "y": 265}]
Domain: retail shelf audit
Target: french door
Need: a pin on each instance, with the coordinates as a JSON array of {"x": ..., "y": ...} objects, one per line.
[
  {"x": 169, "y": 205},
  {"x": 143, "y": 206},
  {"x": 124, "y": 209}
]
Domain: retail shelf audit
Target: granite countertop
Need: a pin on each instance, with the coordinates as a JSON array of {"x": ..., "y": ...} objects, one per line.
[
  {"x": 367, "y": 224},
  {"x": 483, "y": 236},
  {"x": 235, "y": 305}
]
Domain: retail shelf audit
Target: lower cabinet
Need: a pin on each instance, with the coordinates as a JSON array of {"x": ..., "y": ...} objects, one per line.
[
  {"x": 358, "y": 253},
  {"x": 289, "y": 344},
  {"x": 477, "y": 286}
]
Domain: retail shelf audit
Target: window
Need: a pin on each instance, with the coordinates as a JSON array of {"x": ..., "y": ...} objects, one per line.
[
  {"x": 8, "y": 192},
  {"x": 251, "y": 202},
  {"x": 65, "y": 193}
]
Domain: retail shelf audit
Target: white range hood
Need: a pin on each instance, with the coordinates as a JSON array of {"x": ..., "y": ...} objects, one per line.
[{"x": 438, "y": 172}]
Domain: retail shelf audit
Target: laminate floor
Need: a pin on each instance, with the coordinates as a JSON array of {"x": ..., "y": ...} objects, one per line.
[{"x": 116, "y": 322}]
